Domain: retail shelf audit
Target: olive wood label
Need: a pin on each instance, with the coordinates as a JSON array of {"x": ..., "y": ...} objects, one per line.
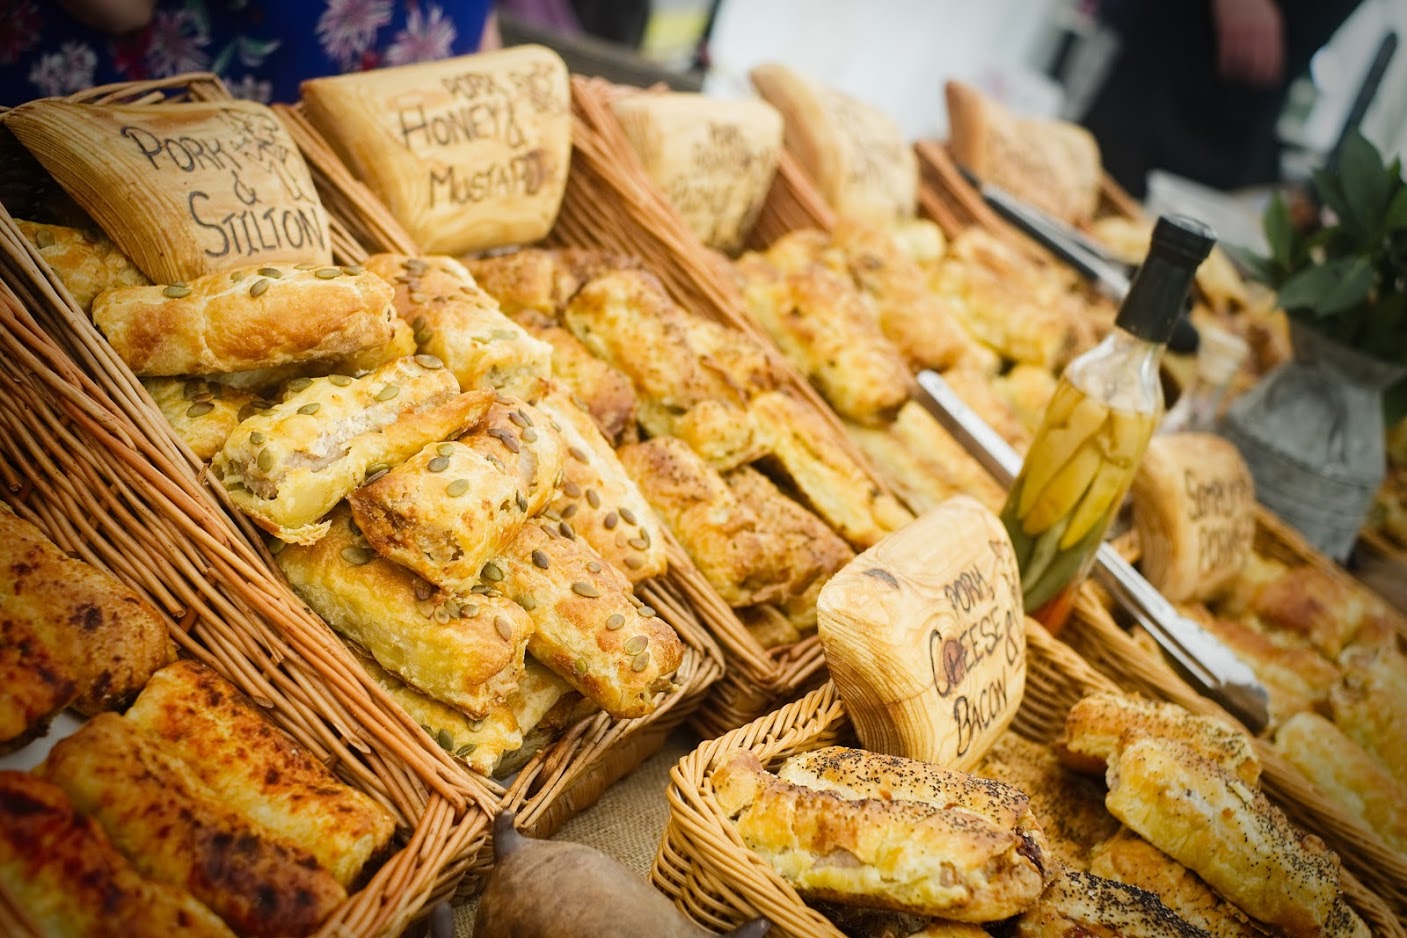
[
  {"x": 1194, "y": 509},
  {"x": 183, "y": 189},
  {"x": 468, "y": 153},
  {"x": 925, "y": 636}
]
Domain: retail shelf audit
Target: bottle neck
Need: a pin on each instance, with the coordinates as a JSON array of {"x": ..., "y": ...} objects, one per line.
[
  {"x": 1122, "y": 371},
  {"x": 1155, "y": 299}
]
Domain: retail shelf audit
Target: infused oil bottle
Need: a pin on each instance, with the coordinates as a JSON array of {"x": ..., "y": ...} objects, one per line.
[{"x": 1105, "y": 408}]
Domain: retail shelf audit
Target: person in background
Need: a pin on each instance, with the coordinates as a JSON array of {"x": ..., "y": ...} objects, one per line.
[
  {"x": 262, "y": 49},
  {"x": 1198, "y": 86}
]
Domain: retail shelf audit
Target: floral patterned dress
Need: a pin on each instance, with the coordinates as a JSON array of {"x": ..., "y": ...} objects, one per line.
[{"x": 261, "y": 48}]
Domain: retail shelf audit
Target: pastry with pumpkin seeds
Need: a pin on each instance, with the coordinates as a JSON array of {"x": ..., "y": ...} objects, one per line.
[{"x": 202, "y": 412}]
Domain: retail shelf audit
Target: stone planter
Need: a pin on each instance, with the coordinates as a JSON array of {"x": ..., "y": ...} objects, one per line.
[{"x": 1312, "y": 433}]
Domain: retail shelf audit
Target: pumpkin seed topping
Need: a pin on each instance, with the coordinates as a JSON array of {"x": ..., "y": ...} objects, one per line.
[
  {"x": 199, "y": 409},
  {"x": 491, "y": 572},
  {"x": 265, "y": 460},
  {"x": 580, "y": 666},
  {"x": 593, "y": 499},
  {"x": 300, "y": 384},
  {"x": 358, "y": 555},
  {"x": 540, "y": 560},
  {"x": 176, "y": 291},
  {"x": 340, "y": 380},
  {"x": 327, "y": 273},
  {"x": 611, "y": 520},
  {"x": 445, "y": 449},
  {"x": 636, "y": 645},
  {"x": 503, "y": 627},
  {"x": 615, "y": 621},
  {"x": 567, "y": 530},
  {"x": 634, "y": 562},
  {"x": 273, "y": 272},
  {"x": 428, "y": 361},
  {"x": 388, "y": 392},
  {"x": 627, "y": 516},
  {"x": 641, "y": 662},
  {"x": 256, "y": 438},
  {"x": 438, "y": 464},
  {"x": 308, "y": 410},
  {"x": 585, "y": 589},
  {"x": 259, "y": 287}
]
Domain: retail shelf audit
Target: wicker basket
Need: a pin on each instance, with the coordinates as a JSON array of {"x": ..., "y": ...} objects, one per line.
[
  {"x": 263, "y": 630},
  {"x": 703, "y": 865},
  {"x": 610, "y": 203},
  {"x": 98, "y": 483}
]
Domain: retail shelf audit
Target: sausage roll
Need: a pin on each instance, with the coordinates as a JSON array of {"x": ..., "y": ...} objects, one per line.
[
  {"x": 461, "y": 325},
  {"x": 257, "y": 770},
  {"x": 175, "y": 829},
  {"x": 911, "y": 856},
  {"x": 1095, "y": 725},
  {"x": 802, "y": 446},
  {"x": 525, "y": 442},
  {"x": 1083, "y": 904},
  {"x": 245, "y": 318},
  {"x": 602, "y": 391},
  {"x": 1129, "y": 859},
  {"x": 87, "y": 262},
  {"x": 1210, "y": 821},
  {"x": 600, "y": 501},
  {"x": 63, "y": 871},
  {"x": 460, "y": 648},
  {"x": 542, "y": 281},
  {"x": 288, "y": 466},
  {"x": 591, "y": 630},
  {"x": 202, "y": 412},
  {"x": 69, "y": 633},
  {"x": 272, "y": 382}
]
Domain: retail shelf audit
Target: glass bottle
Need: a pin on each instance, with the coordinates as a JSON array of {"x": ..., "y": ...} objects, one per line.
[
  {"x": 1096, "y": 427},
  {"x": 1219, "y": 357}
]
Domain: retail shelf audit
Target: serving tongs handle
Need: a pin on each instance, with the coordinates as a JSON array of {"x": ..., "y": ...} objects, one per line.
[{"x": 1201, "y": 658}]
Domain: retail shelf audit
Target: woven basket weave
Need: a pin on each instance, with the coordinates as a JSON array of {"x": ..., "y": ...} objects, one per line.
[{"x": 704, "y": 867}]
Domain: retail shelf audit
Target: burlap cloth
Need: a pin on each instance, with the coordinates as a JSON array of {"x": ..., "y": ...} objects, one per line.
[{"x": 626, "y": 823}]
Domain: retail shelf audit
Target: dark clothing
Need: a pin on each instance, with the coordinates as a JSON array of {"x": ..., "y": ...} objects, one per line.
[{"x": 1164, "y": 105}]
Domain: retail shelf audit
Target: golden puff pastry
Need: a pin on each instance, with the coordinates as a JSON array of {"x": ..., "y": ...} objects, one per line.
[
  {"x": 1347, "y": 774},
  {"x": 460, "y": 648},
  {"x": 911, "y": 856},
  {"x": 822, "y": 323},
  {"x": 1028, "y": 389},
  {"x": 443, "y": 513},
  {"x": 978, "y": 391},
  {"x": 1370, "y": 704},
  {"x": 677, "y": 362},
  {"x": 803, "y": 446},
  {"x": 1083, "y": 904},
  {"x": 1227, "y": 833},
  {"x": 542, "y": 281},
  {"x": 270, "y": 382},
  {"x": 202, "y": 412},
  {"x": 924, "y": 463},
  {"x": 1326, "y": 612},
  {"x": 798, "y": 542},
  {"x": 289, "y": 465},
  {"x": 257, "y": 770},
  {"x": 1129, "y": 859},
  {"x": 918, "y": 321},
  {"x": 545, "y": 706},
  {"x": 69, "y": 634},
  {"x": 1282, "y": 662},
  {"x": 1069, "y": 807},
  {"x": 177, "y": 830},
  {"x": 600, "y": 501},
  {"x": 602, "y": 391},
  {"x": 769, "y": 626},
  {"x": 721, "y": 534},
  {"x": 477, "y": 741},
  {"x": 462, "y": 325},
  {"x": 527, "y": 444},
  {"x": 63, "y": 871},
  {"x": 1344, "y": 922},
  {"x": 591, "y": 630},
  {"x": 245, "y": 318},
  {"x": 87, "y": 262},
  {"x": 1096, "y": 724}
]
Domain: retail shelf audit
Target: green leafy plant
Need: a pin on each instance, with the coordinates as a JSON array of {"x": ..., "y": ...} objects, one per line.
[{"x": 1348, "y": 279}]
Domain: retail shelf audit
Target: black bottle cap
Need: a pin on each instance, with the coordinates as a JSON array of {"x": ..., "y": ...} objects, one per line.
[{"x": 1159, "y": 290}]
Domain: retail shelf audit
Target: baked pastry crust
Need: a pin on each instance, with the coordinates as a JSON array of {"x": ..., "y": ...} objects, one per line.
[
  {"x": 175, "y": 829},
  {"x": 527, "y": 444},
  {"x": 1131, "y": 860},
  {"x": 460, "y": 324},
  {"x": 63, "y": 871},
  {"x": 460, "y": 648},
  {"x": 69, "y": 634},
  {"x": 925, "y": 464},
  {"x": 183, "y": 403},
  {"x": 1083, "y": 904},
  {"x": 289, "y": 465},
  {"x": 1068, "y": 807},
  {"x": 802, "y": 446},
  {"x": 86, "y": 261},
  {"x": 257, "y": 770},
  {"x": 911, "y": 856},
  {"x": 1097, "y": 723},
  {"x": 822, "y": 323},
  {"x": 619, "y": 664},
  {"x": 542, "y": 281},
  {"x": 600, "y": 500},
  {"x": 600, "y": 390},
  {"x": 218, "y": 323},
  {"x": 1370, "y": 704},
  {"x": 1230, "y": 835}
]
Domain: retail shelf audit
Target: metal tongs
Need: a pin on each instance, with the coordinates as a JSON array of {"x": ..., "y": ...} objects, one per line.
[{"x": 1200, "y": 657}]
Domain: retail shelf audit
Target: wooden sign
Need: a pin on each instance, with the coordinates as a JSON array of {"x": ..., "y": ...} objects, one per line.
[
  {"x": 925, "y": 636},
  {"x": 468, "y": 153},
  {"x": 855, "y": 154},
  {"x": 1194, "y": 510},
  {"x": 182, "y": 189},
  {"x": 713, "y": 159}
]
